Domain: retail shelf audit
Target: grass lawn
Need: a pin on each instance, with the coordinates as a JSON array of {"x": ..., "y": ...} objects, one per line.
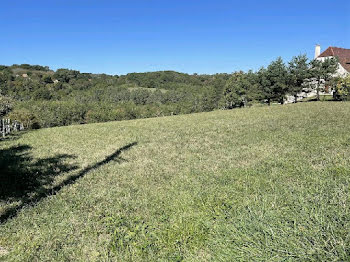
[{"x": 254, "y": 184}]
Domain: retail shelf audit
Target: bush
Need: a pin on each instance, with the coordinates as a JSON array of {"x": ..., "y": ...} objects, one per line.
[
  {"x": 6, "y": 105},
  {"x": 27, "y": 118},
  {"x": 42, "y": 94},
  {"x": 55, "y": 113},
  {"x": 342, "y": 89},
  {"x": 100, "y": 113}
]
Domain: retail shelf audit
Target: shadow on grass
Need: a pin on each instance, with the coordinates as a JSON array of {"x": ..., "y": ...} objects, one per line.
[
  {"x": 12, "y": 136},
  {"x": 22, "y": 176},
  {"x": 28, "y": 180}
]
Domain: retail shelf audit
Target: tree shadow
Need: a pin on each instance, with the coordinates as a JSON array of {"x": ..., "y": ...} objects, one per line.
[
  {"x": 112, "y": 157},
  {"x": 27, "y": 180},
  {"x": 21, "y": 175},
  {"x": 13, "y": 136},
  {"x": 23, "y": 178}
]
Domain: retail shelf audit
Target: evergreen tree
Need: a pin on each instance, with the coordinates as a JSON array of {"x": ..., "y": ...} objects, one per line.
[
  {"x": 252, "y": 84},
  {"x": 298, "y": 73},
  {"x": 277, "y": 75},
  {"x": 264, "y": 85},
  {"x": 321, "y": 72}
]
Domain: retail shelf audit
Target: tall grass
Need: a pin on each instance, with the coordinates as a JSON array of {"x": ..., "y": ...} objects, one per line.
[{"x": 259, "y": 184}]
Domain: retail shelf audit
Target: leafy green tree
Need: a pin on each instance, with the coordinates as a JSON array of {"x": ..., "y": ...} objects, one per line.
[
  {"x": 298, "y": 73},
  {"x": 25, "y": 117},
  {"x": 208, "y": 99},
  {"x": 42, "y": 94},
  {"x": 5, "y": 77},
  {"x": 65, "y": 75},
  {"x": 235, "y": 91},
  {"x": 218, "y": 83},
  {"x": 47, "y": 79},
  {"x": 140, "y": 96},
  {"x": 3, "y": 67},
  {"x": 6, "y": 105},
  {"x": 321, "y": 72}
]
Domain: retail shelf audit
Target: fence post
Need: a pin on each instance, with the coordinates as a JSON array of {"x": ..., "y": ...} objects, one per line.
[
  {"x": 3, "y": 127},
  {"x": 7, "y": 126}
]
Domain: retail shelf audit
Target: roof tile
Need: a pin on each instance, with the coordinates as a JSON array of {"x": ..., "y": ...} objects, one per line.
[{"x": 342, "y": 54}]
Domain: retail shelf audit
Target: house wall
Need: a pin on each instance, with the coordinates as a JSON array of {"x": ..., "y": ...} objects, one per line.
[{"x": 341, "y": 70}]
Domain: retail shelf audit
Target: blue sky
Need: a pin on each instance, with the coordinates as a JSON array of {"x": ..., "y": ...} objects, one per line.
[{"x": 193, "y": 36}]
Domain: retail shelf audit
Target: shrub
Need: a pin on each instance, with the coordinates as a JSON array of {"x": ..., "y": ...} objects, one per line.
[
  {"x": 100, "y": 114},
  {"x": 27, "y": 118},
  {"x": 6, "y": 105},
  {"x": 55, "y": 113},
  {"x": 342, "y": 89}
]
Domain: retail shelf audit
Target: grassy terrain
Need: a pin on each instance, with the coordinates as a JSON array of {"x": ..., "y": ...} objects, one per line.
[{"x": 255, "y": 184}]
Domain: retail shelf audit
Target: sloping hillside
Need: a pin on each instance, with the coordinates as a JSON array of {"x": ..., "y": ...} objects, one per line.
[{"x": 260, "y": 184}]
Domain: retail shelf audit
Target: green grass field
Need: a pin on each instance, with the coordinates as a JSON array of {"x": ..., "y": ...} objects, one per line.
[{"x": 253, "y": 184}]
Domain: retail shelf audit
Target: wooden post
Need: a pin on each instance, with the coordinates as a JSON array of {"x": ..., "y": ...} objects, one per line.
[
  {"x": 8, "y": 126},
  {"x": 3, "y": 127}
]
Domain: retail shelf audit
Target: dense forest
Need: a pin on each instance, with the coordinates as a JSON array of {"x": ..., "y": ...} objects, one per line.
[{"x": 40, "y": 97}]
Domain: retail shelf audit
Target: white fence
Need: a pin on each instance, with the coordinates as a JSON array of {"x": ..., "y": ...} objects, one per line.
[{"x": 7, "y": 126}]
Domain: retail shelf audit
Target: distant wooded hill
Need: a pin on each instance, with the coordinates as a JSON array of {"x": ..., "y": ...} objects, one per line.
[
  {"x": 45, "y": 98},
  {"x": 40, "y": 97}
]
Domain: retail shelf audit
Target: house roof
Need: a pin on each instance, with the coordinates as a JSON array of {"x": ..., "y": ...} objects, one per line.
[{"x": 342, "y": 54}]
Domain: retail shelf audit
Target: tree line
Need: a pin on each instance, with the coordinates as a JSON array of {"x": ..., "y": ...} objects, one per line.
[
  {"x": 40, "y": 97},
  {"x": 274, "y": 83}
]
